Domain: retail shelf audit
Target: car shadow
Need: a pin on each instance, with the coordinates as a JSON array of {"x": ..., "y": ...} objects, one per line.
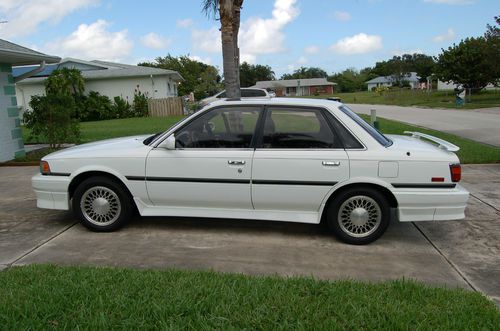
[{"x": 236, "y": 225}]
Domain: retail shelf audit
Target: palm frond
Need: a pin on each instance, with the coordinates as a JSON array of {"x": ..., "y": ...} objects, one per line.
[{"x": 210, "y": 7}]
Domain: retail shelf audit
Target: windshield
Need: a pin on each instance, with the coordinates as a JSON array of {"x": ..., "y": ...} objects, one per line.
[{"x": 383, "y": 140}]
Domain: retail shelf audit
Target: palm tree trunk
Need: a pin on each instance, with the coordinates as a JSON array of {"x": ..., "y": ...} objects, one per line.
[{"x": 230, "y": 52}]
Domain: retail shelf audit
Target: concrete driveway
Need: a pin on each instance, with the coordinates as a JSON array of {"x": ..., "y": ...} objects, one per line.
[
  {"x": 478, "y": 124},
  {"x": 455, "y": 254}
]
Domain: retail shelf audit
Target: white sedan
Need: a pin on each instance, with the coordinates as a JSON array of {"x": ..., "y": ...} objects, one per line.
[{"x": 294, "y": 160}]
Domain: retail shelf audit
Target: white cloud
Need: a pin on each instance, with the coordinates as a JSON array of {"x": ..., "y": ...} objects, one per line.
[
  {"x": 265, "y": 36},
  {"x": 207, "y": 40},
  {"x": 357, "y": 44},
  {"x": 185, "y": 23},
  {"x": 256, "y": 36},
  {"x": 155, "y": 41},
  {"x": 248, "y": 58},
  {"x": 342, "y": 16},
  {"x": 312, "y": 49},
  {"x": 24, "y": 16},
  {"x": 205, "y": 60},
  {"x": 93, "y": 41},
  {"x": 452, "y": 2},
  {"x": 302, "y": 60},
  {"x": 449, "y": 35}
]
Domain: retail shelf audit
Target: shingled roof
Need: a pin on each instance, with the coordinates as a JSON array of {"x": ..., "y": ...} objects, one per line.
[{"x": 19, "y": 55}]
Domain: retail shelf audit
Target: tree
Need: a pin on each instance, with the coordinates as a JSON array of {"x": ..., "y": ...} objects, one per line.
[
  {"x": 200, "y": 78},
  {"x": 304, "y": 72},
  {"x": 229, "y": 15},
  {"x": 493, "y": 31},
  {"x": 400, "y": 67},
  {"x": 472, "y": 63},
  {"x": 349, "y": 80},
  {"x": 65, "y": 81},
  {"x": 252, "y": 73}
]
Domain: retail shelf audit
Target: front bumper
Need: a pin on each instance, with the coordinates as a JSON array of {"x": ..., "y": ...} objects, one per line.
[
  {"x": 51, "y": 191},
  {"x": 431, "y": 204}
]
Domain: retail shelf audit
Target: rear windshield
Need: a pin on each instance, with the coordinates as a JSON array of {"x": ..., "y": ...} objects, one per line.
[
  {"x": 252, "y": 93},
  {"x": 377, "y": 135}
]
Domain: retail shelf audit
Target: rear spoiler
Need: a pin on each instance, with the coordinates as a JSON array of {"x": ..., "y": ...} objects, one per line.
[{"x": 443, "y": 144}]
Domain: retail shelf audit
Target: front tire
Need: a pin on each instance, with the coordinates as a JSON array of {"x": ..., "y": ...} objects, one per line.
[
  {"x": 359, "y": 215},
  {"x": 102, "y": 204}
]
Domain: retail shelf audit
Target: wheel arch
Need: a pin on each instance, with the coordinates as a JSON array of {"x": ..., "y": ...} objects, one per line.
[
  {"x": 82, "y": 176},
  {"x": 383, "y": 189}
]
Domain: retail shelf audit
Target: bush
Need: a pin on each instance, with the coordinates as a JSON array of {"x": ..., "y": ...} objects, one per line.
[
  {"x": 140, "y": 105},
  {"x": 121, "y": 108},
  {"x": 52, "y": 118},
  {"x": 96, "y": 107}
]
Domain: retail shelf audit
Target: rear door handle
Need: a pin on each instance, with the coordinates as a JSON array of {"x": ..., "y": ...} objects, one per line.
[
  {"x": 236, "y": 162},
  {"x": 330, "y": 163}
]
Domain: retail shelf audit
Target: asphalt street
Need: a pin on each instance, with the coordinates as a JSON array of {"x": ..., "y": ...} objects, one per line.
[{"x": 479, "y": 124}]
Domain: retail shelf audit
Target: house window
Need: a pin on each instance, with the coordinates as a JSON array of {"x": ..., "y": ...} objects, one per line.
[{"x": 169, "y": 89}]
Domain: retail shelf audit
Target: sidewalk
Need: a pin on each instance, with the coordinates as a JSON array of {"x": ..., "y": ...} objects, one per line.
[{"x": 482, "y": 125}]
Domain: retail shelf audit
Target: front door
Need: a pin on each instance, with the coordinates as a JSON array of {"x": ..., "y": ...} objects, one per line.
[
  {"x": 298, "y": 161},
  {"x": 211, "y": 165}
]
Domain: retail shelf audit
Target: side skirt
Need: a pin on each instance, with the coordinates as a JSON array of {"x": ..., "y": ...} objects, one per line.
[{"x": 269, "y": 215}]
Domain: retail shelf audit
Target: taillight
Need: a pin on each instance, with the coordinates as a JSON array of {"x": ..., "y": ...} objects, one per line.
[
  {"x": 44, "y": 168},
  {"x": 456, "y": 172}
]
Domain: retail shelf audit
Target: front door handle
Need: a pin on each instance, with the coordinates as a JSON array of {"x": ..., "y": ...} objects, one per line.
[
  {"x": 331, "y": 163},
  {"x": 236, "y": 162}
]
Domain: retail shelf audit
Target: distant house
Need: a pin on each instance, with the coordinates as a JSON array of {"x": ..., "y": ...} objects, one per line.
[
  {"x": 11, "y": 140},
  {"x": 108, "y": 78},
  {"x": 412, "y": 78},
  {"x": 298, "y": 87},
  {"x": 447, "y": 86}
]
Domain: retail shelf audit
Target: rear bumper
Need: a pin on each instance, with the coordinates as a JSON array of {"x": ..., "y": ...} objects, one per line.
[
  {"x": 51, "y": 191},
  {"x": 431, "y": 204}
]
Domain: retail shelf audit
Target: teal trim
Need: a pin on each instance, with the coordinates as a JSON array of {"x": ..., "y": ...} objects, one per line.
[
  {"x": 16, "y": 133},
  {"x": 13, "y": 100},
  {"x": 17, "y": 122},
  {"x": 9, "y": 90},
  {"x": 20, "y": 153},
  {"x": 5, "y": 67},
  {"x": 10, "y": 79},
  {"x": 20, "y": 144},
  {"x": 13, "y": 111}
]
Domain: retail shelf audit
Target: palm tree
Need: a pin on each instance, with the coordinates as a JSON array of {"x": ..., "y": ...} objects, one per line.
[{"x": 229, "y": 15}]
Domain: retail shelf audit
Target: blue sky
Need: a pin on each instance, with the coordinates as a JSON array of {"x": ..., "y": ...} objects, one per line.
[{"x": 284, "y": 34}]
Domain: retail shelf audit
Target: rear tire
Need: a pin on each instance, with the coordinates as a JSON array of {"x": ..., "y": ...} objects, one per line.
[
  {"x": 358, "y": 216},
  {"x": 102, "y": 204}
]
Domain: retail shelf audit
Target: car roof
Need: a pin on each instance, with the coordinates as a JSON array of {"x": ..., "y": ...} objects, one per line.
[{"x": 280, "y": 101}]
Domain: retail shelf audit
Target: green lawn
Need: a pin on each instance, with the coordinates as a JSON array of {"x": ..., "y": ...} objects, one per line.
[
  {"x": 46, "y": 297},
  {"x": 99, "y": 130},
  {"x": 470, "y": 151},
  {"x": 436, "y": 99}
]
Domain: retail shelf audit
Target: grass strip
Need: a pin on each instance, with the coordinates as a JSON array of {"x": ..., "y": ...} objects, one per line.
[{"x": 45, "y": 297}]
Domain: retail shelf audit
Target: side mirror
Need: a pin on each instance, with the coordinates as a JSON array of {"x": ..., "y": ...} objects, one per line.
[{"x": 168, "y": 143}]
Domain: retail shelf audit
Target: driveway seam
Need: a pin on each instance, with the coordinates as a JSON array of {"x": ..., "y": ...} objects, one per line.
[
  {"x": 486, "y": 203},
  {"x": 454, "y": 267},
  {"x": 40, "y": 245}
]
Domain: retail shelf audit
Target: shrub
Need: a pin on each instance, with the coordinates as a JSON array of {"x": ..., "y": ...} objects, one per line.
[
  {"x": 140, "y": 105},
  {"x": 96, "y": 107},
  {"x": 121, "y": 108},
  {"x": 52, "y": 118}
]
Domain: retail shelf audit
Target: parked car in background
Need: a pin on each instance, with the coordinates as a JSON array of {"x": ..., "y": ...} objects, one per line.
[
  {"x": 277, "y": 159},
  {"x": 246, "y": 92}
]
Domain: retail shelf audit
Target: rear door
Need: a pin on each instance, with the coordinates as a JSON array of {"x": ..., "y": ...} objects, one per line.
[{"x": 298, "y": 160}]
